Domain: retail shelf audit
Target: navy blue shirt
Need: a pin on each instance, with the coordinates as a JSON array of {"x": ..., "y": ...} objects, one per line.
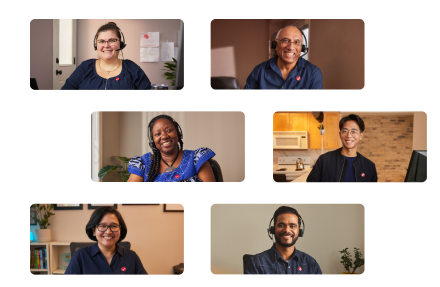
[
  {"x": 349, "y": 169},
  {"x": 85, "y": 78},
  {"x": 267, "y": 75},
  {"x": 90, "y": 260},
  {"x": 271, "y": 262}
]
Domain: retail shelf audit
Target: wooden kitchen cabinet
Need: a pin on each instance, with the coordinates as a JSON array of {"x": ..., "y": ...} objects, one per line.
[
  {"x": 290, "y": 122},
  {"x": 281, "y": 122},
  {"x": 331, "y": 134}
]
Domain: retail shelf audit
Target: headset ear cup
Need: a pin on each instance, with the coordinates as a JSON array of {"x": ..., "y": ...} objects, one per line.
[
  {"x": 122, "y": 46},
  {"x": 301, "y": 232},
  {"x": 303, "y": 48},
  {"x": 273, "y": 44},
  {"x": 272, "y": 230}
]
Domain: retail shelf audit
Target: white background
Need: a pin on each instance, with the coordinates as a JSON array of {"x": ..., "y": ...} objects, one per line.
[{"x": 46, "y": 138}]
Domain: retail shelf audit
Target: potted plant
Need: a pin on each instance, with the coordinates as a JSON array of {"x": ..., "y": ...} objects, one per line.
[
  {"x": 123, "y": 174},
  {"x": 348, "y": 262},
  {"x": 43, "y": 212},
  {"x": 171, "y": 71},
  {"x": 321, "y": 128}
]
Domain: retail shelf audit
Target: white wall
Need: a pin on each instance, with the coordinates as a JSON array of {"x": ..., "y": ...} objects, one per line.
[{"x": 238, "y": 229}]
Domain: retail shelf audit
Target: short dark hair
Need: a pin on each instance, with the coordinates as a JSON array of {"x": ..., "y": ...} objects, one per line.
[
  {"x": 96, "y": 217},
  {"x": 284, "y": 210},
  {"x": 352, "y": 117}
]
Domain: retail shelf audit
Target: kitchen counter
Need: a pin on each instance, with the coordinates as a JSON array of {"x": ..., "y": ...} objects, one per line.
[{"x": 302, "y": 178}]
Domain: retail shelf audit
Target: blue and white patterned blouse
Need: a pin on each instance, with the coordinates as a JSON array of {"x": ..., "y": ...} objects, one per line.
[{"x": 187, "y": 170}]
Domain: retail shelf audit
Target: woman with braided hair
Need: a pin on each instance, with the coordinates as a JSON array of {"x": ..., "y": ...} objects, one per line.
[{"x": 168, "y": 161}]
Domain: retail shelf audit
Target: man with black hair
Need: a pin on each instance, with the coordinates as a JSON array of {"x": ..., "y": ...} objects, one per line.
[
  {"x": 287, "y": 70},
  {"x": 283, "y": 257},
  {"x": 345, "y": 164}
]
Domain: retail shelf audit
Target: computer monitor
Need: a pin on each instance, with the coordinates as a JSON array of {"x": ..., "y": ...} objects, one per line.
[
  {"x": 417, "y": 169},
  {"x": 179, "y": 72}
]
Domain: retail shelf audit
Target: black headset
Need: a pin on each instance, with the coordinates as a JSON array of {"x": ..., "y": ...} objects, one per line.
[
  {"x": 304, "y": 48},
  {"x": 122, "y": 46},
  {"x": 271, "y": 229}
]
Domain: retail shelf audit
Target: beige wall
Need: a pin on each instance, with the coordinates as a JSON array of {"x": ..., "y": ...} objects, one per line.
[
  {"x": 336, "y": 46},
  {"x": 131, "y": 29},
  {"x": 41, "y": 52},
  {"x": 125, "y": 134},
  {"x": 420, "y": 135},
  {"x": 239, "y": 229},
  {"x": 147, "y": 228}
]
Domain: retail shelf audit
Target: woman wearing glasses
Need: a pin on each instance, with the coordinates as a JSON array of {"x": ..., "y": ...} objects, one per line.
[
  {"x": 107, "y": 227},
  {"x": 108, "y": 72}
]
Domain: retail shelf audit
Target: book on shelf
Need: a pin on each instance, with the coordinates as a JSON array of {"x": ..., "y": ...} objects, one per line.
[{"x": 38, "y": 258}]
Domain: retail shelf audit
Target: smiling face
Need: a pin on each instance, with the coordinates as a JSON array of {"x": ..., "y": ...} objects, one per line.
[
  {"x": 289, "y": 53},
  {"x": 286, "y": 229},
  {"x": 108, "y": 51},
  {"x": 350, "y": 135},
  {"x": 107, "y": 238},
  {"x": 165, "y": 136}
]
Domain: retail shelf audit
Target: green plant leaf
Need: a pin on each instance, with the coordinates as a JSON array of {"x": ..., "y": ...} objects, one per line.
[{"x": 106, "y": 169}]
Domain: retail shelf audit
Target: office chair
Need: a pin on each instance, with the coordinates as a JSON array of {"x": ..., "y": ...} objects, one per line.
[
  {"x": 34, "y": 85},
  {"x": 246, "y": 258},
  {"x": 74, "y": 246},
  {"x": 216, "y": 169},
  {"x": 224, "y": 83}
]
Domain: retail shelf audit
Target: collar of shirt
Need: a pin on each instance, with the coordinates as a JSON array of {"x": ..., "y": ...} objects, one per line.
[
  {"x": 272, "y": 64},
  {"x": 277, "y": 255},
  {"x": 95, "y": 250}
]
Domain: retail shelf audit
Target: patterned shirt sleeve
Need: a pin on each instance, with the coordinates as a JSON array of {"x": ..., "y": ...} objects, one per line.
[
  {"x": 136, "y": 166},
  {"x": 201, "y": 155}
]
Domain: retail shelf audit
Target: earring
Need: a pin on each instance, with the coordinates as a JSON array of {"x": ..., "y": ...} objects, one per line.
[{"x": 94, "y": 234}]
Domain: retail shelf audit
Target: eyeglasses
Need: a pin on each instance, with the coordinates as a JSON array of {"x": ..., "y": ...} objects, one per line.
[
  {"x": 110, "y": 42},
  {"x": 346, "y": 132},
  {"x": 104, "y": 227},
  {"x": 287, "y": 42}
]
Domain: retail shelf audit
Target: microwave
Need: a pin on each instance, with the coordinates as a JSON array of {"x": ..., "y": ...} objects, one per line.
[{"x": 290, "y": 140}]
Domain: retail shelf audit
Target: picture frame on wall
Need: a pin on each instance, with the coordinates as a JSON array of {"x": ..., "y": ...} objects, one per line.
[
  {"x": 98, "y": 205},
  {"x": 33, "y": 214},
  {"x": 172, "y": 208},
  {"x": 67, "y": 206}
]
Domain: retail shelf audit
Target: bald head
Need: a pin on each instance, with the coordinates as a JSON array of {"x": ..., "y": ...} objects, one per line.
[{"x": 289, "y": 30}]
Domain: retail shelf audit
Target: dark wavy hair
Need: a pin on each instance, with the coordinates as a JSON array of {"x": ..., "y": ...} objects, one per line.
[
  {"x": 96, "y": 217},
  {"x": 352, "y": 117},
  {"x": 156, "y": 157},
  {"x": 284, "y": 210},
  {"x": 110, "y": 26}
]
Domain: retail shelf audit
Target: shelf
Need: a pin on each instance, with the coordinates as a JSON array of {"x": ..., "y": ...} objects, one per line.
[{"x": 58, "y": 271}]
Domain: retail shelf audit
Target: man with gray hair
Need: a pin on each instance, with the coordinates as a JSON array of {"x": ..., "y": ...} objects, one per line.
[{"x": 287, "y": 70}]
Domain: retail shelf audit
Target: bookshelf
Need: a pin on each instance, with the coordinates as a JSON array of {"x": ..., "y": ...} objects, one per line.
[
  {"x": 41, "y": 271},
  {"x": 57, "y": 249}
]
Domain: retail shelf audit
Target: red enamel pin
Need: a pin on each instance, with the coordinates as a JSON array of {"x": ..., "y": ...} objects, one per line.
[
  {"x": 363, "y": 175},
  {"x": 298, "y": 78},
  {"x": 117, "y": 79},
  {"x": 123, "y": 268},
  {"x": 176, "y": 176},
  {"x": 300, "y": 269}
]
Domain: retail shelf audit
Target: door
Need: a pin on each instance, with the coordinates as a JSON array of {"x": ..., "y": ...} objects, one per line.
[{"x": 64, "y": 51}]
